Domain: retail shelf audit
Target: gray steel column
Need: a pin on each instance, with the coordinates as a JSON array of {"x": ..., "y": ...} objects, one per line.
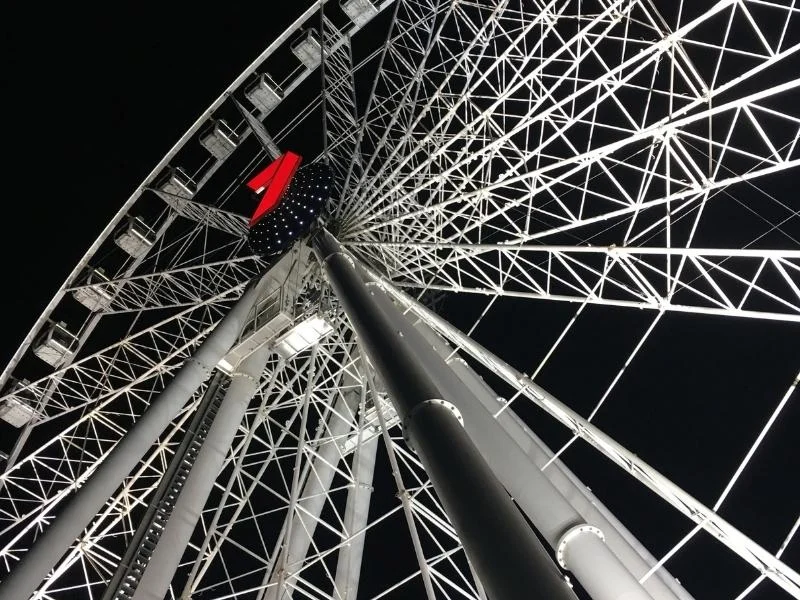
[
  {"x": 636, "y": 559},
  {"x": 616, "y": 565},
  {"x": 547, "y": 509},
  {"x": 312, "y": 498},
  {"x": 168, "y": 552},
  {"x": 509, "y": 560},
  {"x": 604, "y": 577},
  {"x": 87, "y": 501},
  {"x": 348, "y": 566},
  {"x": 617, "y": 560}
]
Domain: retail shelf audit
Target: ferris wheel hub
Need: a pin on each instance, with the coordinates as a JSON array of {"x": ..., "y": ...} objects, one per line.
[{"x": 300, "y": 201}]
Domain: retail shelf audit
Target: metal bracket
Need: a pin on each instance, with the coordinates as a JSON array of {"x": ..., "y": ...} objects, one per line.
[
  {"x": 410, "y": 416},
  {"x": 571, "y": 534}
]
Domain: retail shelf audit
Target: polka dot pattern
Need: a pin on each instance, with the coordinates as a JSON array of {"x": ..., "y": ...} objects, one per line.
[{"x": 293, "y": 216}]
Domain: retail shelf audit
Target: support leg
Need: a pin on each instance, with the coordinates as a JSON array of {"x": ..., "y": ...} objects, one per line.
[
  {"x": 633, "y": 556},
  {"x": 600, "y": 574},
  {"x": 596, "y": 566},
  {"x": 89, "y": 499},
  {"x": 510, "y": 561},
  {"x": 181, "y": 523},
  {"x": 348, "y": 567},
  {"x": 312, "y": 497}
]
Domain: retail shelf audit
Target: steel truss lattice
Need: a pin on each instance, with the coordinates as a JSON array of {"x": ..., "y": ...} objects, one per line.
[{"x": 602, "y": 155}]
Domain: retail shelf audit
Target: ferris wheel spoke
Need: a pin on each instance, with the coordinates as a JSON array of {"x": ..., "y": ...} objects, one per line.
[
  {"x": 792, "y": 531},
  {"x": 205, "y": 215},
  {"x": 171, "y": 288},
  {"x": 472, "y": 101},
  {"x": 398, "y": 81},
  {"x": 342, "y": 144},
  {"x": 662, "y": 128},
  {"x": 729, "y": 282},
  {"x": 121, "y": 369},
  {"x": 683, "y": 183},
  {"x": 405, "y": 501},
  {"x": 487, "y": 22},
  {"x": 306, "y": 499},
  {"x": 454, "y": 66},
  {"x": 735, "y": 477},
  {"x": 497, "y": 110}
]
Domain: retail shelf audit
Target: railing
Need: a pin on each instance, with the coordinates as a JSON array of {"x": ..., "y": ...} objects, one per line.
[{"x": 263, "y": 312}]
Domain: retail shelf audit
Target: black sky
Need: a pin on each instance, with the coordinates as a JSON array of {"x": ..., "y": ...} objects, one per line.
[{"x": 94, "y": 99}]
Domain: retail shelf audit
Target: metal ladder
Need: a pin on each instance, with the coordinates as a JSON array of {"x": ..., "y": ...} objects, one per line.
[{"x": 123, "y": 584}]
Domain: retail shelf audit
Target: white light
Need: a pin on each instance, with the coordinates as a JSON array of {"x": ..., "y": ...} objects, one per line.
[{"x": 302, "y": 336}]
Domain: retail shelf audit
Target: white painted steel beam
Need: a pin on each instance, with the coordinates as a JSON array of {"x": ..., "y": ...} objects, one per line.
[{"x": 312, "y": 498}]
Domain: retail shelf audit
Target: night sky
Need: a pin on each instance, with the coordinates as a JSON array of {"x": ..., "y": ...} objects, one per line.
[{"x": 92, "y": 102}]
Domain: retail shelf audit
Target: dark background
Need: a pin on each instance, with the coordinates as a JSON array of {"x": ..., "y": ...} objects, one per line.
[{"x": 94, "y": 99}]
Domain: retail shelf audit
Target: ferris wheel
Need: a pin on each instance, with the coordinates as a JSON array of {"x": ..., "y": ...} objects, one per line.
[{"x": 439, "y": 299}]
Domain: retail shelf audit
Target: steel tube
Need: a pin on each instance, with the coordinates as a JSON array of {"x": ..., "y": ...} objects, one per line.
[
  {"x": 636, "y": 559},
  {"x": 98, "y": 488},
  {"x": 509, "y": 560},
  {"x": 160, "y": 570},
  {"x": 546, "y": 507},
  {"x": 312, "y": 499},
  {"x": 585, "y": 553},
  {"x": 356, "y": 513},
  {"x": 538, "y": 498}
]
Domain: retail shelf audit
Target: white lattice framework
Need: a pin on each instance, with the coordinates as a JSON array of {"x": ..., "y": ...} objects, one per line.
[{"x": 618, "y": 154}]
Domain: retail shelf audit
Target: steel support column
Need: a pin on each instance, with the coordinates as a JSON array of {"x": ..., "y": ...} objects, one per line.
[
  {"x": 151, "y": 525},
  {"x": 312, "y": 498},
  {"x": 87, "y": 501},
  {"x": 509, "y": 560},
  {"x": 603, "y": 575},
  {"x": 189, "y": 505},
  {"x": 348, "y": 565},
  {"x": 630, "y": 552},
  {"x": 600, "y": 569}
]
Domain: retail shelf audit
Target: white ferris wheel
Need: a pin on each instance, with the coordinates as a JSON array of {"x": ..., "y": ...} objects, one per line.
[{"x": 446, "y": 366}]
